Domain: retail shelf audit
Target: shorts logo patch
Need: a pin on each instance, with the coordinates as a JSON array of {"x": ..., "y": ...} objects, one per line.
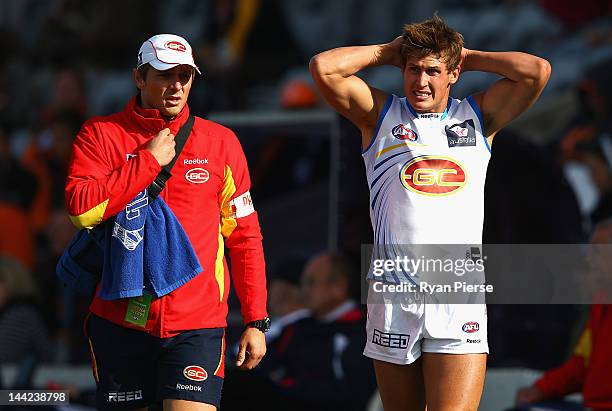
[
  {"x": 124, "y": 396},
  {"x": 195, "y": 373},
  {"x": 390, "y": 340},
  {"x": 473, "y": 341},
  {"x": 471, "y": 327},
  {"x": 461, "y": 135},
  {"x": 401, "y": 132}
]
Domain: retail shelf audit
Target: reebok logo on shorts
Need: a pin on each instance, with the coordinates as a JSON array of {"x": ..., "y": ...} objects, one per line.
[
  {"x": 390, "y": 340},
  {"x": 461, "y": 134},
  {"x": 188, "y": 387}
]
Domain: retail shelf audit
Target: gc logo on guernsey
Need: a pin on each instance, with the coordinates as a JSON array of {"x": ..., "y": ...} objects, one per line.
[{"x": 433, "y": 175}]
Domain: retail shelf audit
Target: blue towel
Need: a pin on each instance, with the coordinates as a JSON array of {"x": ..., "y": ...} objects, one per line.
[{"x": 146, "y": 249}]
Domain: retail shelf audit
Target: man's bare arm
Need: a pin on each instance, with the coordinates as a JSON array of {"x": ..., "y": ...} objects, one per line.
[
  {"x": 525, "y": 76},
  {"x": 334, "y": 73}
]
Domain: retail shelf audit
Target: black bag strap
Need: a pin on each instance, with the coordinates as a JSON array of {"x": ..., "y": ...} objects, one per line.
[{"x": 180, "y": 139}]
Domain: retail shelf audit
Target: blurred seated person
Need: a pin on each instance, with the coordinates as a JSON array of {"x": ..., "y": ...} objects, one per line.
[
  {"x": 17, "y": 190},
  {"x": 318, "y": 362},
  {"x": 315, "y": 363},
  {"x": 588, "y": 370},
  {"x": 286, "y": 303},
  {"x": 23, "y": 333}
]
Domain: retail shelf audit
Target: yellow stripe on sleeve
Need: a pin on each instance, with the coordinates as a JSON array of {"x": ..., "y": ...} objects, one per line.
[
  {"x": 584, "y": 346},
  {"x": 90, "y": 218},
  {"x": 228, "y": 220}
]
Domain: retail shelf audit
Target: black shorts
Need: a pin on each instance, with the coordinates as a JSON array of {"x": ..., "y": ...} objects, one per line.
[{"x": 134, "y": 369}]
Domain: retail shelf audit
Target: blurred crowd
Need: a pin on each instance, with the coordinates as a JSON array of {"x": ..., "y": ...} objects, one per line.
[{"x": 62, "y": 63}]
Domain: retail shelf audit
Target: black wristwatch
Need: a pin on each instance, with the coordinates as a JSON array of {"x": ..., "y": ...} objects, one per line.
[{"x": 262, "y": 325}]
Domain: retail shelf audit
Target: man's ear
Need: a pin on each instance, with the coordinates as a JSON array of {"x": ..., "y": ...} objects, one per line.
[
  {"x": 138, "y": 80},
  {"x": 453, "y": 75}
]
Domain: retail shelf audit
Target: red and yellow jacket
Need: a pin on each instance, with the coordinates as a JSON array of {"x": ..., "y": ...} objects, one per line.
[
  {"x": 589, "y": 369},
  {"x": 209, "y": 194}
]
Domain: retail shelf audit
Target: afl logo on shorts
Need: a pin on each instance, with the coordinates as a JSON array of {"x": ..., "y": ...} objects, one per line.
[
  {"x": 175, "y": 45},
  {"x": 197, "y": 175},
  {"x": 471, "y": 327},
  {"x": 195, "y": 373},
  {"x": 401, "y": 132},
  {"x": 432, "y": 175}
]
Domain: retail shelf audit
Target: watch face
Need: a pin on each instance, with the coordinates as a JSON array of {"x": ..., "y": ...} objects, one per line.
[
  {"x": 265, "y": 324},
  {"x": 262, "y": 325}
]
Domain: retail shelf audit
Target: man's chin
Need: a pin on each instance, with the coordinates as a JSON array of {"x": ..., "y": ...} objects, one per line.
[{"x": 171, "y": 111}]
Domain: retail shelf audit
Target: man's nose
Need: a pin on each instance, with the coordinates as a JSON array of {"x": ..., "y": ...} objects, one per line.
[
  {"x": 423, "y": 79},
  {"x": 176, "y": 83}
]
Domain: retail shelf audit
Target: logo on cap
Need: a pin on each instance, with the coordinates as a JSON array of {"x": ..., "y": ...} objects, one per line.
[{"x": 175, "y": 45}]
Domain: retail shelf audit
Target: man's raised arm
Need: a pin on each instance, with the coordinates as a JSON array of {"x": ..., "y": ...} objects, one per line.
[
  {"x": 334, "y": 73},
  {"x": 525, "y": 76}
]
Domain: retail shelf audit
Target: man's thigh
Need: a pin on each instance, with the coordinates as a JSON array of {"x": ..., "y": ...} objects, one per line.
[
  {"x": 401, "y": 387},
  {"x": 191, "y": 369},
  {"x": 123, "y": 362},
  {"x": 453, "y": 382}
]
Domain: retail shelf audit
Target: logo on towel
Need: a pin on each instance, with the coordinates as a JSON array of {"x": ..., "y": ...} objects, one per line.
[
  {"x": 132, "y": 210},
  {"x": 129, "y": 238}
]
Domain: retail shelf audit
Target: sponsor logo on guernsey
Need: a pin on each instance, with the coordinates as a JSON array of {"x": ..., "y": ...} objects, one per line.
[
  {"x": 470, "y": 327},
  {"x": 401, "y": 132},
  {"x": 175, "y": 45},
  {"x": 197, "y": 175},
  {"x": 473, "y": 341},
  {"x": 461, "y": 134},
  {"x": 430, "y": 115},
  {"x": 188, "y": 387},
  {"x": 195, "y": 161},
  {"x": 390, "y": 340},
  {"x": 124, "y": 396},
  {"x": 433, "y": 175},
  {"x": 195, "y": 373}
]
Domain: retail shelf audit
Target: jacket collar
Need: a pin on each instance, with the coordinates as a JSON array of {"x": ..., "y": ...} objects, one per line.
[{"x": 151, "y": 120}]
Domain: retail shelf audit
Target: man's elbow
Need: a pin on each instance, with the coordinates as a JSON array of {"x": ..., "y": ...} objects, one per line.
[
  {"x": 316, "y": 67},
  {"x": 541, "y": 72}
]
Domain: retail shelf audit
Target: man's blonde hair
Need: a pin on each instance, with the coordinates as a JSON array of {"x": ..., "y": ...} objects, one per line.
[{"x": 432, "y": 37}]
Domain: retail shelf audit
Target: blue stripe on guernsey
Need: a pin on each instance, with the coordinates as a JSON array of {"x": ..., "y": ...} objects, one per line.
[
  {"x": 381, "y": 187},
  {"x": 409, "y": 107},
  {"x": 476, "y": 109},
  {"x": 381, "y": 117},
  {"x": 389, "y": 158},
  {"x": 381, "y": 174}
]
